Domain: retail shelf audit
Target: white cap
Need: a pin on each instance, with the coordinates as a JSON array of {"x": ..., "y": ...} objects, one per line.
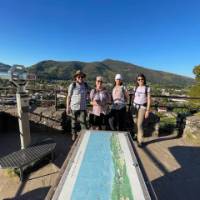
[{"x": 118, "y": 77}]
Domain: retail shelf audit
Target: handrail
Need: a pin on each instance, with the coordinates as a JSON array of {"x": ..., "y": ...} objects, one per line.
[{"x": 56, "y": 91}]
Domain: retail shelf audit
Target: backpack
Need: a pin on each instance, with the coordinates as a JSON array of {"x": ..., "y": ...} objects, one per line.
[{"x": 74, "y": 85}]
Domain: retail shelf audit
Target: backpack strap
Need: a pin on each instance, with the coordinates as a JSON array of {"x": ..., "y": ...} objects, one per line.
[
  {"x": 124, "y": 92},
  {"x": 94, "y": 91},
  {"x": 74, "y": 85},
  {"x": 135, "y": 89},
  {"x": 146, "y": 89}
]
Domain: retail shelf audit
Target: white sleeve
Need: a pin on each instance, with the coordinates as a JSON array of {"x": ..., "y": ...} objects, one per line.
[
  {"x": 148, "y": 90},
  {"x": 70, "y": 91}
]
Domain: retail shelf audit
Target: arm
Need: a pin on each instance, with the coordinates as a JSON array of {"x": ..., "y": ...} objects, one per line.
[
  {"x": 126, "y": 94},
  {"x": 92, "y": 101},
  {"x": 68, "y": 100},
  {"x": 148, "y": 105},
  {"x": 68, "y": 109}
]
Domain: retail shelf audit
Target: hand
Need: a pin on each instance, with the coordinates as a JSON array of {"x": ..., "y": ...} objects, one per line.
[
  {"x": 94, "y": 103},
  {"x": 68, "y": 110},
  {"x": 146, "y": 114}
]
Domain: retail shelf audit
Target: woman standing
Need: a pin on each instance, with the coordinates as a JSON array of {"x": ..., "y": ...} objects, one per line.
[
  {"x": 142, "y": 103},
  {"x": 100, "y": 99},
  {"x": 118, "y": 112}
]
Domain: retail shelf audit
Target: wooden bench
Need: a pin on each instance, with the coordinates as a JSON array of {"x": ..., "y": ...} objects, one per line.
[{"x": 25, "y": 157}]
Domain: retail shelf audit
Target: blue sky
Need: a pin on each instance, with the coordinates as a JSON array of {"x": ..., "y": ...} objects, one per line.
[{"x": 157, "y": 34}]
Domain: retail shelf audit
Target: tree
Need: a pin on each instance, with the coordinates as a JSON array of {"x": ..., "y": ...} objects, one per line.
[
  {"x": 196, "y": 71},
  {"x": 195, "y": 89}
]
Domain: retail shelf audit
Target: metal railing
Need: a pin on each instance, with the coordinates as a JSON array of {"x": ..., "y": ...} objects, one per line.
[{"x": 55, "y": 100}]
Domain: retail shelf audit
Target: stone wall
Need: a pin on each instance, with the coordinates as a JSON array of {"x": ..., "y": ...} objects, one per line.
[
  {"x": 41, "y": 119},
  {"x": 48, "y": 119},
  {"x": 192, "y": 128}
]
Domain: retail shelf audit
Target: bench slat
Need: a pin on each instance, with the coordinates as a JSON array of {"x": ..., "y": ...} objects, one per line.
[{"x": 25, "y": 156}]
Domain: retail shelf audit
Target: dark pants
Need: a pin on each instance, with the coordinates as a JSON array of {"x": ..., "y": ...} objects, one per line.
[
  {"x": 117, "y": 119},
  {"x": 99, "y": 121},
  {"x": 78, "y": 120}
]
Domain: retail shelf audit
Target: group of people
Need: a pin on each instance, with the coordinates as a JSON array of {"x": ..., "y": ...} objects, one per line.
[{"x": 108, "y": 110}]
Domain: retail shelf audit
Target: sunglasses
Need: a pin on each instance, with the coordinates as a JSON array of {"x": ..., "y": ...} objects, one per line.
[
  {"x": 140, "y": 79},
  {"x": 80, "y": 76},
  {"x": 100, "y": 81}
]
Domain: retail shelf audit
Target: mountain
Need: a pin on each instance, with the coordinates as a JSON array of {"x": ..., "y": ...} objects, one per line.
[
  {"x": 4, "y": 67},
  {"x": 56, "y": 70}
]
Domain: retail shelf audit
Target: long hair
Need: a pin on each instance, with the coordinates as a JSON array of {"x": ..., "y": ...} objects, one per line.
[
  {"x": 115, "y": 84},
  {"x": 142, "y": 76}
]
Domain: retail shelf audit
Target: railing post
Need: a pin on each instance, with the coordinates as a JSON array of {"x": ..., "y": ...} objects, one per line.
[
  {"x": 130, "y": 102},
  {"x": 56, "y": 100}
]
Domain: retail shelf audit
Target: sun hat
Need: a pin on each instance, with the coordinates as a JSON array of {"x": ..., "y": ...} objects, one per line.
[{"x": 79, "y": 72}]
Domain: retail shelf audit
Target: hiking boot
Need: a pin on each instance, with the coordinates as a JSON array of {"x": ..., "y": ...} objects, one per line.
[
  {"x": 134, "y": 137},
  {"x": 140, "y": 144}
]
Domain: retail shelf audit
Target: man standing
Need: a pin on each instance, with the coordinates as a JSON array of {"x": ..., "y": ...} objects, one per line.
[{"x": 76, "y": 102}]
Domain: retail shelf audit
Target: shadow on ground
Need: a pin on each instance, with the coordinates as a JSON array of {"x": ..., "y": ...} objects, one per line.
[
  {"x": 37, "y": 194},
  {"x": 10, "y": 142},
  {"x": 183, "y": 183}
]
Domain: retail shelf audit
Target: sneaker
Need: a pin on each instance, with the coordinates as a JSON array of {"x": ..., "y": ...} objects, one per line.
[
  {"x": 140, "y": 144},
  {"x": 134, "y": 137},
  {"x": 73, "y": 136}
]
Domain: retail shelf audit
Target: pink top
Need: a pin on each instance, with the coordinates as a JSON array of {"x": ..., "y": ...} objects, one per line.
[
  {"x": 102, "y": 97},
  {"x": 118, "y": 95}
]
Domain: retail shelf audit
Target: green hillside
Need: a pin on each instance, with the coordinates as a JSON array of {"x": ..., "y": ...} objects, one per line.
[
  {"x": 4, "y": 67},
  {"x": 57, "y": 70},
  {"x": 108, "y": 68}
]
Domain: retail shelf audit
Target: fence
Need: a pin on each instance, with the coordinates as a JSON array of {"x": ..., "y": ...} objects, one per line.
[{"x": 9, "y": 97}]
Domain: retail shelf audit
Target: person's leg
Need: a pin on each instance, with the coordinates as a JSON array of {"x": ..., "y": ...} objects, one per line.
[
  {"x": 91, "y": 120},
  {"x": 106, "y": 122},
  {"x": 140, "y": 119},
  {"x": 117, "y": 119},
  {"x": 122, "y": 118},
  {"x": 95, "y": 124},
  {"x": 111, "y": 120},
  {"x": 98, "y": 122},
  {"x": 74, "y": 117},
  {"x": 103, "y": 122},
  {"x": 82, "y": 120}
]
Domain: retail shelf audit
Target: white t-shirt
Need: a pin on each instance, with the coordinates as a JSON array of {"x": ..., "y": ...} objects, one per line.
[{"x": 140, "y": 96}]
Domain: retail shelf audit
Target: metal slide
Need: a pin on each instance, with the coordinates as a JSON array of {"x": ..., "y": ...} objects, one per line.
[{"x": 101, "y": 165}]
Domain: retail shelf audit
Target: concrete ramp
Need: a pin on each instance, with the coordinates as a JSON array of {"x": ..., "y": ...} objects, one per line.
[{"x": 101, "y": 166}]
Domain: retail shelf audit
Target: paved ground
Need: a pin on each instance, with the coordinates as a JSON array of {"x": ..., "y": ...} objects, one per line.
[
  {"x": 171, "y": 164},
  {"x": 41, "y": 177},
  {"x": 173, "y": 167}
]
